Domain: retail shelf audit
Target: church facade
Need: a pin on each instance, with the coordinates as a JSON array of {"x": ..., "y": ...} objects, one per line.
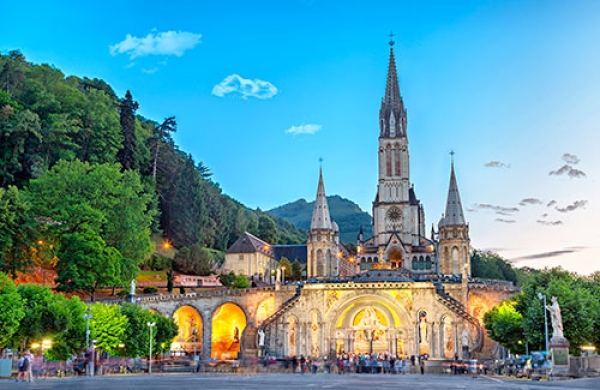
[{"x": 403, "y": 292}]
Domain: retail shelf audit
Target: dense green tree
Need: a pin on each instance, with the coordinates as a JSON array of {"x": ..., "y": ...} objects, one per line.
[
  {"x": 86, "y": 264},
  {"x": 127, "y": 152},
  {"x": 12, "y": 71},
  {"x": 227, "y": 279},
  {"x": 11, "y": 310},
  {"x": 267, "y": 230},
  {"x": 162, "y": 135},
  {"x": 17, "y": 232},
  {"x": 241, "y": 281},
  {"x": 107, "y": 327},
  {"x": 70, "y": 340},
  {"x": 504, "y": 325},
  {"x": 297, "y": 270},
  {"x": 490, "y": 265},
  {"x": 193, "y": 260}
]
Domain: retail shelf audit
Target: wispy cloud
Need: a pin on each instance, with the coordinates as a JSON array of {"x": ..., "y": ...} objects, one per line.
[
  {"x": 150, "y": 71},
  {"x": 530, "y": 201},
  {"x": 551, "y": 203},
  {"x": 497, "y": 209},
  {"x": 236, "y": 84},
  {"x": 570, "y": 158},
  {"x": 549, "y": 223},
  {"x": 572, "y": 207},
  {"x": 545, "y": 255},
  {"x": 156, "y": 43},
  {"x": 304, "y": 129},
  {"x": 505, "y": 220},
  {"x": 496, "y": 164},
  {"x": 568, "y": 170}
]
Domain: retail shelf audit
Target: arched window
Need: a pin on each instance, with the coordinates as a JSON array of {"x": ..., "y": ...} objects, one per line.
[
  {"x": 415, "y": 263},
  {"x": 455, "y": 266},
  {"x": 427, "y": 262}
]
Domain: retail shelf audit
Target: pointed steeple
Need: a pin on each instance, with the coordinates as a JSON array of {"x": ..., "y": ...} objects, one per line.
[
  {"x": 392, "y": 114},
  {"x": 454, "y": 211},
  {"x": 320, "y": 217}
]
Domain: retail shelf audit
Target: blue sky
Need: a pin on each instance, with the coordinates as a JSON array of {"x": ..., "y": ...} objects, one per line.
[{"x": 262, "y": 89}]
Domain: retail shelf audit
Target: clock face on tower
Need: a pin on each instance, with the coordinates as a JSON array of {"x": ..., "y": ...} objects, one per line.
[{"x": 394, "y": 214}]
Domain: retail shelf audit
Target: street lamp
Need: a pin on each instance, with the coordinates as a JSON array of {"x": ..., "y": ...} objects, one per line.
[
  {"x": 283, "y": 274},
  {"x": 150, "y": 326},
  {"x": 87, "y": 316},
  {"x": 543, "y": 297}
]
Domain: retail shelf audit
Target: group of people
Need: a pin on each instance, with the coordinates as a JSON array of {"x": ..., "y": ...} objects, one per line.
[
  {"x": 359, "y": 363},
  {"x": 25, "y": 366}
]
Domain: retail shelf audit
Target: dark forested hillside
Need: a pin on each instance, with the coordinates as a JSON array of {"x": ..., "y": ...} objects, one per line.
[
  {"x": 47, "y": 117},
  {"x": 344, "y": 212}
]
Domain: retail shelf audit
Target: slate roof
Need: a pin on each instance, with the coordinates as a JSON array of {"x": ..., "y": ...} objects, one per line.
[
  {"x": 291, "y": 252},
  {"x": 249, "y": 243}
]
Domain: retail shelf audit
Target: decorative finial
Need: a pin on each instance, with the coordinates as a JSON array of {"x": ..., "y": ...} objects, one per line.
[
  {"x": 452, "y": 156},
  {"x": 320, "y": 160},
  {"x": 392, "y": 35}
]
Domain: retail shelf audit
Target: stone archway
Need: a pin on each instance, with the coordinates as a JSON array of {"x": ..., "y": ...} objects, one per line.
[
  {"x": 228, "y": 325},
  {"x": 189, "y": 336},
  {"x": 368, "y": 323}
]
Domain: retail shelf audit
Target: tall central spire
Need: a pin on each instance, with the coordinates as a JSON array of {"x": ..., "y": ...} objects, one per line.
[{"x": 392, "y": 114}]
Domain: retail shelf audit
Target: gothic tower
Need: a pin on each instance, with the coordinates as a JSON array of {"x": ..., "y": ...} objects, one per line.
[
  {"x": 322, "y": 245},
  {"x": 398, "y": 217},
  {"x": 454, "y": 234}
]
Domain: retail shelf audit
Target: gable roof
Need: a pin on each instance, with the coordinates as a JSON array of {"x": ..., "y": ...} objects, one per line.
[
  {"x": 249, "y": 243},
  {"x": 291, "y": 252}
]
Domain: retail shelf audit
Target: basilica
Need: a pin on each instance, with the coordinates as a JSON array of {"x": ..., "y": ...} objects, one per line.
[{"x": 405, "y": 291}]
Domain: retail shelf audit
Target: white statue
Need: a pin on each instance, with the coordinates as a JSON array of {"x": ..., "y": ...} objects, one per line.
[
  {"x": 261, "y": 338},
  {"x": 465, "y": 338},
  {"x": 132, "y": 292},
  {"x": 556, "y": 317},
  {"x": 278, "y": 278}
]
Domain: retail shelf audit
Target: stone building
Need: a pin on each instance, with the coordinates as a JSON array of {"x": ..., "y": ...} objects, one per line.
[{"x": 405, "y": 293}]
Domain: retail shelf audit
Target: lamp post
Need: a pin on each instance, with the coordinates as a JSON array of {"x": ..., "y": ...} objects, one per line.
[
  {"x": 283, "y": 275},
  {"x": 87, "y": 316},
  {"x": 150, "y": 326},
  {"x": 543, "y": 297}
]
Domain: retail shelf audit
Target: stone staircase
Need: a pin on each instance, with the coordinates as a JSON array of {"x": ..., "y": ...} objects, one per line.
[
  {"x": 458, "y": 308},
  {"x": 281, "y": 311}
]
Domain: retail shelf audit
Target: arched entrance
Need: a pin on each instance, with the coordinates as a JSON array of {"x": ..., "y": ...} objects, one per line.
[
  {"x": 228, "y": 324},
  {"x": 396, "y": 259},
  {"x": 369, "y": 325},
  {"x": 189, "y": 338}
]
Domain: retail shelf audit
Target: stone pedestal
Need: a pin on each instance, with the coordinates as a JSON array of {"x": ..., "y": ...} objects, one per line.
[{"x": 559, "y": 347}]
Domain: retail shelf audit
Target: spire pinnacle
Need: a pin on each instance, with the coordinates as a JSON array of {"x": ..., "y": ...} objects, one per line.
[
  {"x": 392, "y": 114},
  {"x": 392, "y": 35},
  {"x": 454, "y": 211},
  {"x": 321, "y": 218}
]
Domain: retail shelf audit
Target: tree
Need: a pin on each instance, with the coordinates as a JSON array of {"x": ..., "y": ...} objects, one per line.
[
  {"x": 490, "y": 265},
  {"x": 11, "y": 310},
  {"x": 227, "y": 279},
  {"x": 17, "y": 232},
  {"x": 504, "y": 325},
  {"x": 163, "y": 134},
  {"x": 267, "y": 230},
  {"x": 107, "y": 327},
  {"x": 127, "y": 153},
  {"x": 70, "y": 340},
  {"x": 289, "y": 272},
  {"x": 241, "y": 281},
  {"x": 86, "y": 264},
  {"x": 193, "y": 260},
  {"x": 297, "y": 270}
]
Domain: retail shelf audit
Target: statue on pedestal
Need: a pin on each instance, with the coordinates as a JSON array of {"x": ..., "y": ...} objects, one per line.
[
  {"x": 556, "y": 317},
  {"x": 132, "y": 291}
]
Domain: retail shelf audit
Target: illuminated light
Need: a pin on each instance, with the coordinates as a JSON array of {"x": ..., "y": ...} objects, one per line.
[
  {"x": 228, "y": 324},
  {"x": 166, "y": 245},
  {"x": 588, "y": 348},
  {"x": 339, "y": 253},
  {"x": 189, "y": 335},
  {"x": 35, "y": 345},
  {"x": 41, "y": 242}
]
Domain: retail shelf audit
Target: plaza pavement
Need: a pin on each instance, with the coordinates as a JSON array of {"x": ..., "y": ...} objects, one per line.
[{"x": 296, "y": 381}]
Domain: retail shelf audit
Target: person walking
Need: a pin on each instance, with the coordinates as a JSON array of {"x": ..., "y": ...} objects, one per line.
[{"x": 422, "y": 364}]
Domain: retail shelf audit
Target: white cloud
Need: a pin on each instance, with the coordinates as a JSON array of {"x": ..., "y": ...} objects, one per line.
[
  {"x": 304, "y": 129},
  {"x": 156, "y": 43},
  {"x": 150, "y": 71},
  {"x": 254, "y": 88}
]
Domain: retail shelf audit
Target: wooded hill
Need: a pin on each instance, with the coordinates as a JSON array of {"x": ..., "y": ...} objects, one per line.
[
  {"x": 49, "y": 121},
  {"x": 344, "y": 212}
]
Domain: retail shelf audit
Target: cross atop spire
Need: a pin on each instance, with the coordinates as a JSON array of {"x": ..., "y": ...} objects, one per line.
[
  {"x": 392, "y": 35},
  {"x": 452, "y": 156}
]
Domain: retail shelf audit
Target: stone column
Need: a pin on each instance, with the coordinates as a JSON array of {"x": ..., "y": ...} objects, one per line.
[{"x": 206, "y": 335}]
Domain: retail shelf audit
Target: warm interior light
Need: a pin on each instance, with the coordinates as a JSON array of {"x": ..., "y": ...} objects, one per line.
[{"x": 167, "y": 245}]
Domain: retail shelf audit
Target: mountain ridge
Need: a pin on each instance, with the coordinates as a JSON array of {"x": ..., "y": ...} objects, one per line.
[{"x": 347, "y": 214}]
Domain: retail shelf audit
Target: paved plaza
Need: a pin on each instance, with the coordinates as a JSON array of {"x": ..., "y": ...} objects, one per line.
[{"x": 296, "y": 381}]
